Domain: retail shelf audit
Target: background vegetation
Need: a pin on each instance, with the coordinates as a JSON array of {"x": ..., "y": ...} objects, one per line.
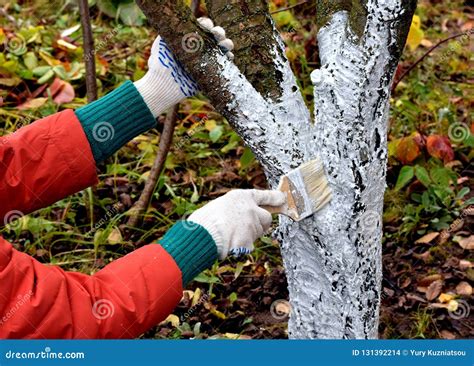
[{"x": 428, "y": 242}]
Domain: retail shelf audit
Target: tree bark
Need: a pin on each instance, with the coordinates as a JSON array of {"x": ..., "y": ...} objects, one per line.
[{"x": 333, "y": 258}]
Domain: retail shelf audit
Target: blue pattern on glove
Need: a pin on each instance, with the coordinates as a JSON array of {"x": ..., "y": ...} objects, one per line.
[
  {"x": 186, "y": 84},
  {"x": 238, "y": 252}
]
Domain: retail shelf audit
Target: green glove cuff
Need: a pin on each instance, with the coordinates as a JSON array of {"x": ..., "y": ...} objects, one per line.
[
  {"x": 114, "y": 120},
  {"x": 192, "y": 247}
]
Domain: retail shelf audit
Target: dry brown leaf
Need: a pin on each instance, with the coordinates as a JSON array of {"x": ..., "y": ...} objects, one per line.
[
  {"x": 32, "y": 104},
  {"x": 415, "y": 298},
  {"x": 465, "y": 243},
  {"x": 425, "y": 257},
  {"x": 426, "y": 281},
  {"x": 446, "y": 334},
  {"x": 465, "y": 264},
  {"x": 421, "y": 289},
  {"x": 426, "y": 43},
  {"x": 434, "y": 290},
  {"x": 464, "y": 288},
  {"x": 115, "y": 236},
  {"x": 425, "y": 239}
]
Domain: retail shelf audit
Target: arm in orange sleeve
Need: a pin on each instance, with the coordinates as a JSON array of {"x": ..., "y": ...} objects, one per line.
[{"x": 41, "y": 164}]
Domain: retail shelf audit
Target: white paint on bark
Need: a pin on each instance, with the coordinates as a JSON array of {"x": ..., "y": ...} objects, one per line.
[{"x": 332, "y": 259}]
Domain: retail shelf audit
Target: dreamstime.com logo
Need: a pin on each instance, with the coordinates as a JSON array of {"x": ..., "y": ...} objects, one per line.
[
  {"x": 22, "y": 300},
  {"x": 103, "y": 131},
  {"x": 12, "y": 219},
  {"x": 370, "y": 220},
  {"x": 16, "y": 45},
  {"x": 459, "y": 131},
  {"x": 459, "y": 310},
  {"x": 47, "y": 354},
  {"x": 192, "y": 42},
  {"x": 280, "y": 309},
  {"x": 103, "y": 309}
]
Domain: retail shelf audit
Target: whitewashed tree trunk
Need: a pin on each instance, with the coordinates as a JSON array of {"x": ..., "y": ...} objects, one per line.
[{"x": 332, "y": 259}]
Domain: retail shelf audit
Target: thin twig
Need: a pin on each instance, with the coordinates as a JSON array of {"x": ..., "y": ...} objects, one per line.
[
  {"x": 415, "y": 64},
  {"x": 3, "y": 12},
  {"x": 89, "y": 52},
  {"x": 195, "y": 6},
  {"x": 289, "y": 7},
  {"x": 164, "y": 146}
]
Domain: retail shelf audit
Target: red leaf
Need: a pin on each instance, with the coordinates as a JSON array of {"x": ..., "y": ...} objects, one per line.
[
  {"x": 61, "y": 91},
  {"x": 409, "y": 148},
  {"x": 440, "y": 147}
]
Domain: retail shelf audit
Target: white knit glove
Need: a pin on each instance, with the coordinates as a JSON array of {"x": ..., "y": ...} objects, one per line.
[
  {"x": 235, "y": 220},
  {"x": 166, "y": 83}
]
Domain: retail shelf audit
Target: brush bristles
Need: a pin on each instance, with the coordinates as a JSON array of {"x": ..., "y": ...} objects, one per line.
[
  {"x": 315, "y": 183},
  {"x": 312, "y": 187}
]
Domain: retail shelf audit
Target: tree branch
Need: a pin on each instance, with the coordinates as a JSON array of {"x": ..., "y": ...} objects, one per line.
[
  {"x": 250, "y": 26},
  {"x": 415, "y": 64},
  {"x": 89, "y": 54},
  {"x": 163, "y": 148},
  {"x": 251, "y": 114}
]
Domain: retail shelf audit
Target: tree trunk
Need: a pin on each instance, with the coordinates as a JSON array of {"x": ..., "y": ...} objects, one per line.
[{"x": 332, "y": 259}]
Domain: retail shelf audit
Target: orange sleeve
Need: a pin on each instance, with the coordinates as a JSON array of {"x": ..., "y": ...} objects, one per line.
[
  {"x": 123, "y": 300},
  {"x": 43, "y": 163}
]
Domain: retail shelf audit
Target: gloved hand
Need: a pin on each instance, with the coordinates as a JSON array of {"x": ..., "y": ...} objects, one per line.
[
  {"x": 235, "y": 220},
  {"x": 167, "y": 83}
]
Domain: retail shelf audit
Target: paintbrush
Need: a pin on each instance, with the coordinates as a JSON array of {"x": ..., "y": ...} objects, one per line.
[{"x": 307, "y": 191}]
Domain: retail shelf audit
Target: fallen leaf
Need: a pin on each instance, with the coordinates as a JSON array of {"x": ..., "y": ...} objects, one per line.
[
  {"x": 10, "y": 81},
  {"x": 408, "y": 149},
  {"x": 236, "y": 336},
  {"x": 465, "y": 243},
  {"x": 467, "y": 26},
  {"x": 452, "y": 306},
  {"x": 465, "y": 264},
  {"x": 415, "y": 298},
  {"x": 416, "y": 35},
  {"x": 33, "y": 103},
  {"x": 426, "y": 43},
  {"x": 66, "y": 46},
  {"x": 425, "y": 239},
  {"x": 425, "y": 257},
  {"x": 464, "y": 289},
  {"x": 115, "y": 236},
  {"x": 440, "y": 147},
  {"x": 443, "y": 298},
  {"x": 217, "y": 313},
  {"x": 434, "y": 290},
  {"x": 61, "y": 91},
  {"x": 446, "y": 334},
  {"x": 426, "y": 281},
  {"x": 171, "y": 319},
  {"x": 69, "y": 31}
]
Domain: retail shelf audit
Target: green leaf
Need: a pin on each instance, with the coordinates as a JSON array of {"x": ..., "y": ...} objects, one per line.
[
  {"x": 469, "y": 202},
  {"x": 462, "y": 193},
  {"x": 46, "y": 77},
  {"x": 203, "y": 278},
  {"x": 30, "y": 60},
  {"x": 422, "y": 175},
  {"x": 247, "y": 158},
  {"x": 41, "y": 70},
  {"x": 216, "y": 133},
  {"x": 131, "y": 14},
  {"x": 233, "y": 297},
  {"x": 406, "y": 175}
]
